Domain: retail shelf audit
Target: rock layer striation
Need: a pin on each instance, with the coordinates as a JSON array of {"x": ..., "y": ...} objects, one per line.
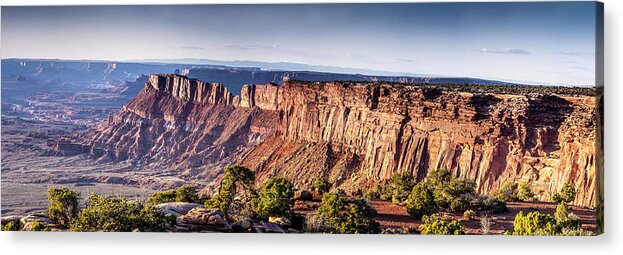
[{"x": 357, "y": 134}]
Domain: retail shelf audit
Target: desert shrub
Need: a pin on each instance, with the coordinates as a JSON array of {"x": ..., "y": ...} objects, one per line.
[
  {"x": 39, "y": 225},
  {"x": 564, "y": 219},
  {"x": 321, "y": 184},
  {"x": 421, "y": 201},
  {"x": 534, "y": 223},
  {"x": 118, "y": 215},
  {"x": 469, "y": 214},
  {"x": 379, "y": 192},
  {"x": 163, "y": 197},
  {"x": 275, "y": 199},
  {"x": 10, "y": 226},
  {"x": 566, "y": 194},
  {"x": 400, "y": 187},
  {"x": 327, "y": 217},
  {"x": 492, "y": 205},
  {"x": 525, "y": 192},
  {"x": 186, "y": 193},
  {"x": 359, "y": 219},
  {"x": 438, "y": 225},
  {"x": 62, "y": 205},
  {"x": 562, "y": 223},
  {"x": 448, "y": 189},
  {"x": 508, "y": 192},
  {"x": 460, "y": 204},
  {"x": 235, "y": 175}
]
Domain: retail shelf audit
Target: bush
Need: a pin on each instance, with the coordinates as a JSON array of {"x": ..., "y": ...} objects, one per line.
[
  {"x": 186, "y": 193},
  {"x": 234, "y": 175},
  {"x": 400, "y": 187},
  {"x": 39, "y": 225},
  {"x": 525, "y": 192},
  {"x": 421, "y": 201},
  {"x": 118, "y": 215},
  {"x": 359, "y": 219},
  {"x": 163, "y": 197},
  {"x": 327, "y": 217},
  {"x": 459, "y": 204},
  {"x": 508, "y": 192},
  {"x": 492, "y": 205},
  {"x": 534, "y": 223},
  {"x": 379, "y": 192},
  {"x": 562, "y": 223},
  {"x": 567, "y": 193},
  {"x": 437, "y": 225},
  {"x": 10, "y": 226},
  {"x": 469, "y": 214},
  {"x": 62, "y": 205},
  {"x": 275, "y": 199},
  {"x": 321, "y": 185},
  {"x": 450, "y": 193}
]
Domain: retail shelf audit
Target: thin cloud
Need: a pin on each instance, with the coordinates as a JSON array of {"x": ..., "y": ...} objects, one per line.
[
  {"x": 407, "y": 60},
  {"x": 188, "y": 47},
  {"x": 583, "y": 68},
  {"x": 512, "y": 51},
  {"x": 574, "y": 53},
  {"x": 250, "y": 46}
]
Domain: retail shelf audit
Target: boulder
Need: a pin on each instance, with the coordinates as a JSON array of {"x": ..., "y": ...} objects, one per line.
[
  {"x": 303, "y": 195},
  {"x": 281, "y": 221},
  {"x": 202, "y": 219},
  {"x": 12, "y": 218},
  {"x": 31, "y": 218},
  {"x": 177, "y": 208}
]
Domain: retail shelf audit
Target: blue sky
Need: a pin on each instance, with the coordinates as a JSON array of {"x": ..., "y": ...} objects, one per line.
[{"x": 550, "y": 42}]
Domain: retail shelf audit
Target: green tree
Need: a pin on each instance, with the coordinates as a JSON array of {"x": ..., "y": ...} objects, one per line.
[
  {"x": 400, "y": 187},
  {"x": 438, "y": 225},
  {"x": 525, "y": 192},
  {"x": 359, "y": 219},
  {"x": 235, "y": 175},
  {"x": 567, "y": 193},
  {"x": 118, "y": 215},
  {"x": 321, "y": 184},
  {"x": 421, "y": 201},
  {"x": 275, "y": 199},
  {"x": 450, "y": 193},
  {"x": 62, "y": 205},
  {"x": 508, "y": 192},
  {"x": 327, "y": 217},
  {"x": 186, "y": 193},
  {"x": 492, "y": 205}
]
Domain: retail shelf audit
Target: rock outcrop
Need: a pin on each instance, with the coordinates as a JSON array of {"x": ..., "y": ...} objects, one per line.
[{"x": 357, "y": 134}]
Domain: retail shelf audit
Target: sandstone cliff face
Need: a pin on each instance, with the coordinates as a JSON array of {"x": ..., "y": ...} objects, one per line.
[{"x": 358, "y": 135}]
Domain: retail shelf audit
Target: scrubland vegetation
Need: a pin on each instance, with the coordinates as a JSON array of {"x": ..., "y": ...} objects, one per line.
[{"x": 432, "y": 201}]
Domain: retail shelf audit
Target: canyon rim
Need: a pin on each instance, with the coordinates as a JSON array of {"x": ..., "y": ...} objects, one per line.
[{"x": 173, "y": 141}]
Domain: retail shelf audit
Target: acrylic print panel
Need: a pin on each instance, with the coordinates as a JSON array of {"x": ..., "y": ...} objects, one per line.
[{"x": 422, "y": 118}]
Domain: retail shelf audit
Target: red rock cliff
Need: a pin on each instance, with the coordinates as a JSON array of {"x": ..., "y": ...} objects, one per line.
[{"x": 357, "y": 134}]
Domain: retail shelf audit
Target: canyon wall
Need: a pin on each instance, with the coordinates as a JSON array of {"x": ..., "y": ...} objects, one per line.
[{"x": 357, "y": 134}]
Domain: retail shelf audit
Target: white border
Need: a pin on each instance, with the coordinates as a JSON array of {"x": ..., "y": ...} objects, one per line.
[{"x": 158, "y": 243}]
